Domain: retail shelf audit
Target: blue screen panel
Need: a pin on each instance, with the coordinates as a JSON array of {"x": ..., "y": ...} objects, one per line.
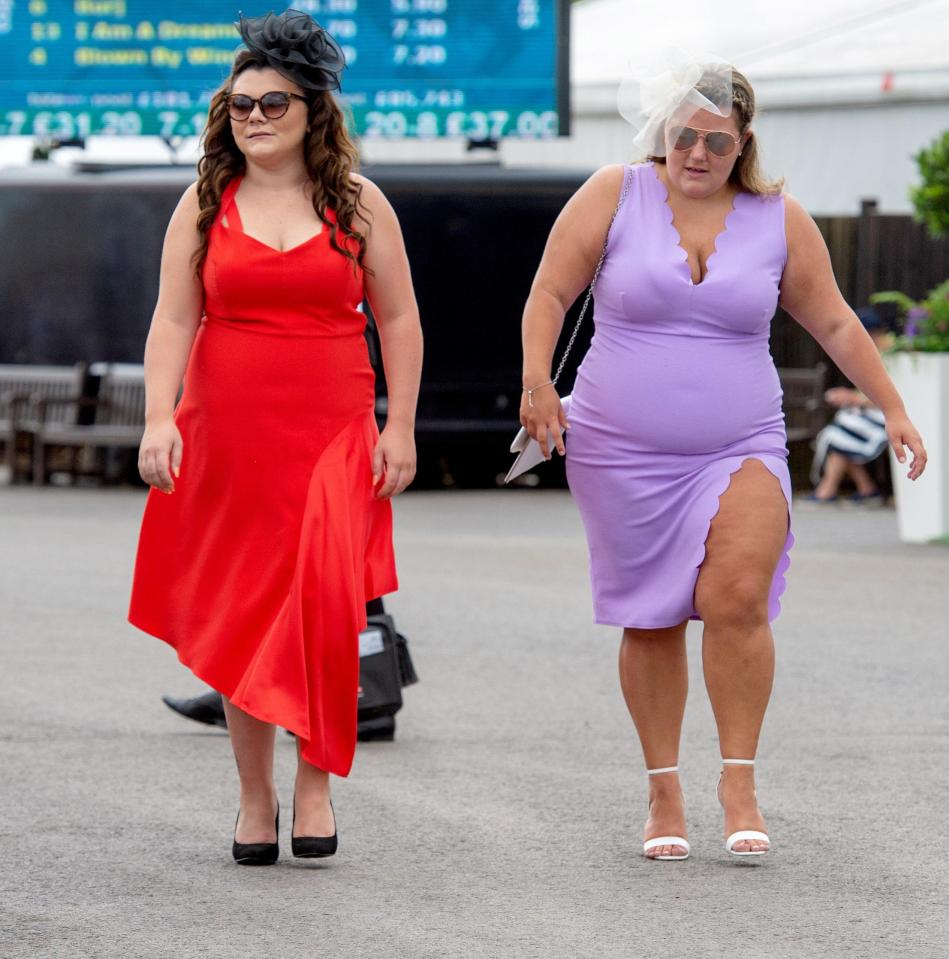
[{"x": 481, "y": 69}]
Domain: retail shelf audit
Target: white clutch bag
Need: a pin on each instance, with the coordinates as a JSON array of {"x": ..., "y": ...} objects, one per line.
[{"x": 528, "y": 451}]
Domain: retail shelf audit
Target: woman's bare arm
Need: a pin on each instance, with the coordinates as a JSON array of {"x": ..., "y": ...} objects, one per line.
[
  {"x": 170, "y": 337},
  {"x": 810, "y": 294},
  {"x": 570, "y": 257},
  {"x": 392, "y": 298}
]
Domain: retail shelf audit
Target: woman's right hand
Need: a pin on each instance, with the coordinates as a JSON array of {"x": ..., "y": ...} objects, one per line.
[
  {"x": 159, "y": 456},
  {"x": 546, "y": 419}
]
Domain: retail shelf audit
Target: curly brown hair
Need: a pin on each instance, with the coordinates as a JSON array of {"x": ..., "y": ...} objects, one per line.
[
  {"x": 328, "y": 152},
  {"x": 746, "y": 173}
]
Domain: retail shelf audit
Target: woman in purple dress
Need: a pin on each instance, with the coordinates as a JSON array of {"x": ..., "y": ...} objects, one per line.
[{"x": 677, "y": 451}]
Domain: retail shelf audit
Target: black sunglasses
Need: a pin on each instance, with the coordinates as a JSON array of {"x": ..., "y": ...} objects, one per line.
[
  {"x": 273, "y": 105},
  {"x": 716, "y": 141}
]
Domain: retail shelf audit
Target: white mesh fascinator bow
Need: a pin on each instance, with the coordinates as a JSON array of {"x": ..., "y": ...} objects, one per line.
[{"x": 673, "y": 87}]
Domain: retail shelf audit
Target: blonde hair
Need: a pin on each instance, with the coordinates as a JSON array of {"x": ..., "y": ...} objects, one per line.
[{"x": 746, "y": 173}]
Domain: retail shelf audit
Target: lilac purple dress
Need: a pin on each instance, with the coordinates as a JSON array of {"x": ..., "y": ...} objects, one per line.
[{"x": 677, "y": 390}]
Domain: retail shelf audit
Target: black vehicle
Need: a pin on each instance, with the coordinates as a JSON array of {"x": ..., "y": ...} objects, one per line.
[{"x": 79, "y": 281}]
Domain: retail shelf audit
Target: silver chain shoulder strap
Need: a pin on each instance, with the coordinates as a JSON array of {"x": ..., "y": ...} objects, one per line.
[{"x": 627, "y": 179}]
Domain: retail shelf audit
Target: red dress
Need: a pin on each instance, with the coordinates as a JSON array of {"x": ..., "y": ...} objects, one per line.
[{"x": 258, "y": 567}]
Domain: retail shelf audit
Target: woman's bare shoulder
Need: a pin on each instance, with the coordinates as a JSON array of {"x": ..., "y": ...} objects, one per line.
[
  {"x": 606, "y": 181},
  {"x": 799, "y": 225},
  {"x": 189, "y": 199},
  {"x": 598, "y": 195},
  {"x": 373, "y": 206},
  {"x": 185, "y": 218},
  {"x": 794, "y": 212},
  {"x": 369, "y": 191}
]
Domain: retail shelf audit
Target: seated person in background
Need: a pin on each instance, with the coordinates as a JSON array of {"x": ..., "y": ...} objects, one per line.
[{"x": 855, "y": 437}]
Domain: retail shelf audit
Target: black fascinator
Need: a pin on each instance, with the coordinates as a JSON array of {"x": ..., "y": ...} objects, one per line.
[{"x": 297, "y": 47}]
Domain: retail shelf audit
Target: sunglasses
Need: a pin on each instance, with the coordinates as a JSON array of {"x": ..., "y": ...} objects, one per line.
[
  {"x": 716, "y": 141},
  {"x": 273, "y": 105}
]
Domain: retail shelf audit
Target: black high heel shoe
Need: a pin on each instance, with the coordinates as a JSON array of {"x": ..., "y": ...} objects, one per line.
[
  {"x": 314, "y": 847},
  {"x": 256, "y": 853}
]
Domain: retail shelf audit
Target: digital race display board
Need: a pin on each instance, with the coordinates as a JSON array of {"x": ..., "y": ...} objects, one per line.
[{"x": 481, "y": 69}]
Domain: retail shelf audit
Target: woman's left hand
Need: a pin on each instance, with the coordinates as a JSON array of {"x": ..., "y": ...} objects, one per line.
[
  {"x": 394, "y": 458},
  {"x": 902, "y": 433}
]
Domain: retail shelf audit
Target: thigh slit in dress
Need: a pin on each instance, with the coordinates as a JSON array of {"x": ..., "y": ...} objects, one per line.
[
  {"x": 677, "y": 391},
  {"x": 257, "y": 569}
]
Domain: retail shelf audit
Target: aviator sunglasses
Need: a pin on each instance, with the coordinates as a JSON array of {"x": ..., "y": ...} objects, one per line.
[
  {"x": 273, "y": 105},
  {"x": 716, "y": 141}
]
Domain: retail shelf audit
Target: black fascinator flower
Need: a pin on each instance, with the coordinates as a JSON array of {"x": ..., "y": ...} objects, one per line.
[{"x": 297, "y": 47}]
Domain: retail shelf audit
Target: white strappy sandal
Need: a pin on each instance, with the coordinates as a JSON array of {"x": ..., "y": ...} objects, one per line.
[
  {"x": 666, "y": 840},
  {"x": 744, "y": 834}
]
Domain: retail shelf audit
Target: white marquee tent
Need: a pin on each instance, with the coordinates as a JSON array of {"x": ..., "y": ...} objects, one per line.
[{"x": 848, "y": 90}]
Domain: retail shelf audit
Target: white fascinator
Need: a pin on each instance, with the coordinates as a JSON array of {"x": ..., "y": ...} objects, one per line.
[{"x": 674, "y": 86}]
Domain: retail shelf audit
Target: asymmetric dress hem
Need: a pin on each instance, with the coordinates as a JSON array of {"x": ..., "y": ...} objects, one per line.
[{"x": 258, "y": 568}]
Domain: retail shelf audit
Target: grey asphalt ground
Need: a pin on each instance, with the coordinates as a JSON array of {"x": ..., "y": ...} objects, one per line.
[{"x": 506, "y": 819}]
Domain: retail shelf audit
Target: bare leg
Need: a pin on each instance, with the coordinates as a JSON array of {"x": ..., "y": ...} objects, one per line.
[
  {"x": 835, "y": 468},
  {"x": 311, "y": 800},
  {"x": 743, "y": 547},
  {"x": 253, "y": 742},
  {"x": 862, "y": 480},
  {"x": 655, "y": 681}
]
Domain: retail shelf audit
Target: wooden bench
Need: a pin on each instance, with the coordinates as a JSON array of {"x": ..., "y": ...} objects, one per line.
[
  {"x": 117, "y": 420},
  {"x": 24, "y": 389},
  {"x": 804, "y": 406}
]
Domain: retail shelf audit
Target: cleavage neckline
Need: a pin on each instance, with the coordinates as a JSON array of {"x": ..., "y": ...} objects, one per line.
[
  {"x": 722, "y": 235},
  {"x": 238, "y": 226}
]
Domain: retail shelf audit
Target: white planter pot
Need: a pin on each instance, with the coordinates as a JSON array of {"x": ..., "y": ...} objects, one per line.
[{"x": 923, "y": 506}]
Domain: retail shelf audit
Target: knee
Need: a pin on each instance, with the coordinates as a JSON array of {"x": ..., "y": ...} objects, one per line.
[
  {"x": 740, "y": 606},
  {"x": 635, "y": 637}
]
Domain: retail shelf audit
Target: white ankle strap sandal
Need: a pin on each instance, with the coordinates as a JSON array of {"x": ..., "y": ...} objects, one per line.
[
  {"x": 680, "y": 841},
  {"x": 744, "y": 834}
]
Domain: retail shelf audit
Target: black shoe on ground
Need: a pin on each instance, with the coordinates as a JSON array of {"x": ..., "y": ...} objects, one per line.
[
  {"x": 314, "y": 847},
  {"x": 256, "y": 853},
  {"x": 207, "y": 708}
]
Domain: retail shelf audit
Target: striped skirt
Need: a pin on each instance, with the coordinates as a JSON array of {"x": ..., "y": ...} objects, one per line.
[{"x": 859, "y": 434}]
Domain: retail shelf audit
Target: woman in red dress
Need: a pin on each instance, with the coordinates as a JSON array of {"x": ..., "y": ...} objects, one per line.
[{"x": 269, "y": 523}]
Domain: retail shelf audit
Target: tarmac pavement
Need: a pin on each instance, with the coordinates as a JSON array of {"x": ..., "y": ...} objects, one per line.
[{"x": 505, "y": 821}]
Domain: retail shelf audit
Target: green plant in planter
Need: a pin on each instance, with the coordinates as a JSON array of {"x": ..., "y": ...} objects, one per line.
[
  {"x": 931, "y": 197},
  {"x": 925, "y": 322}
]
